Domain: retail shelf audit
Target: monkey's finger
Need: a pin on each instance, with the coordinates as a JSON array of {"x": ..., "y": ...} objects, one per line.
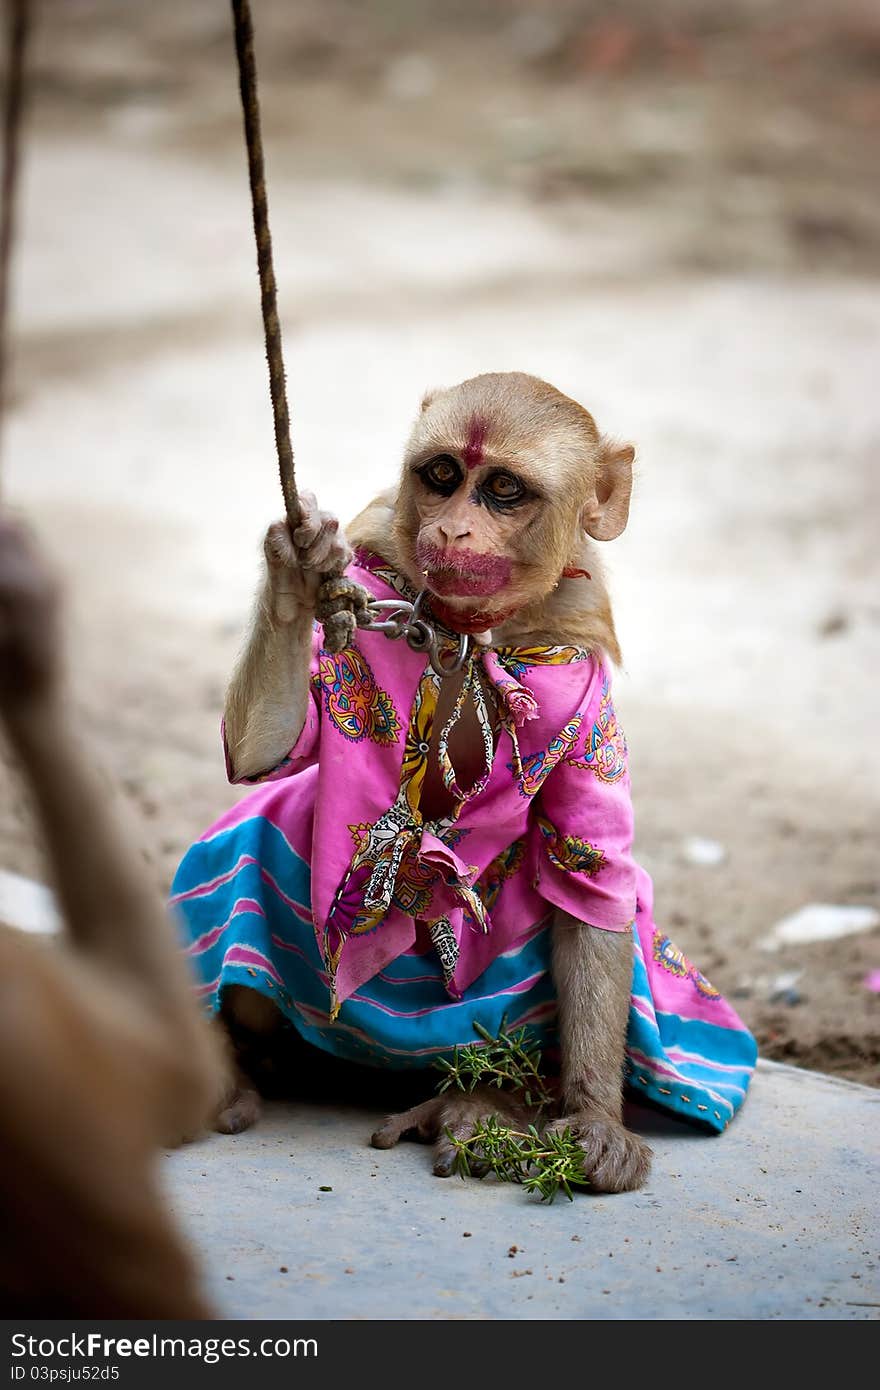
[
  {"x": 445, "y": 1151},
  {"x": 623, "y": 1165},
  {"x": 326, "y": 546},
  {"x": 340, "y": 587},
  {"x": 338, "y": 595},
  {"x": 278, "y": 547},
  {"x": 420, "y": 1121},
  {"x": 615, "y": 1160},
  {"x": 241, "y": 1111},
  {"x": 310, "y": 519},
  {"x": 444, "y": 1158}
]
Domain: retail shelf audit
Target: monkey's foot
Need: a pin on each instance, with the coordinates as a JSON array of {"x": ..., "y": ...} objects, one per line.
[
  {"x": 459, "y": 1114},
  {"x": 615, "y": 1160},
  {"x": 239, "y": 1109}
]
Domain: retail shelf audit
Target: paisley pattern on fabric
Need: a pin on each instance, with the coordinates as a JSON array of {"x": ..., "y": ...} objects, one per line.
[
  {"x": 354, "y": 702},
  {"x": 568, "y": 852},
  {"x": 411, "y": 891},
  {"x": 503, "y": 867},
  {"x": 536, "y": 766},
  {"x": 605, "y": 745},
  {"x": 517, "y": 660},
  {"x": 668, "y": 955}
]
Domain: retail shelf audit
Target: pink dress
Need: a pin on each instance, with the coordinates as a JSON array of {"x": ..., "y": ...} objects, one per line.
[{"x": 384, "y": 935}]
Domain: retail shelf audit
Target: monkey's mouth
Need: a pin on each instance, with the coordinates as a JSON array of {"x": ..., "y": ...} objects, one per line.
[
  {"x": 463, "y": 573},
  {"x": 476, "y": 620}
]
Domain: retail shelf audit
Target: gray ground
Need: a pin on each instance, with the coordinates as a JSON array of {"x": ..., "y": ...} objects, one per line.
[
  {"x": 776, "y": 1220},
  {"x": 676, "y": 225}
]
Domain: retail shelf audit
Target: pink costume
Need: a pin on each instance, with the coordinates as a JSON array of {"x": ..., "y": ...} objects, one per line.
[{"x": 328, "y": 890}]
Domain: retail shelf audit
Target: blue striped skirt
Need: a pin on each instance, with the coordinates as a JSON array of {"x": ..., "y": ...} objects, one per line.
[{"x": 242, "y": 897}]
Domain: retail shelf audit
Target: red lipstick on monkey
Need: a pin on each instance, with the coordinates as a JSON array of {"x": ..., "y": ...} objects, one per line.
[{"x": 463, "y": 573}]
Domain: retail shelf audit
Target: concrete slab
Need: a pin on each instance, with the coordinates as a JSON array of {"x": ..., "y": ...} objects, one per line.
[{"x": 776, "y": 1219}]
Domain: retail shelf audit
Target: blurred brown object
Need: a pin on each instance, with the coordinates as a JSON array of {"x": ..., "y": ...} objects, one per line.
[{"x": 104, "y": 1057}]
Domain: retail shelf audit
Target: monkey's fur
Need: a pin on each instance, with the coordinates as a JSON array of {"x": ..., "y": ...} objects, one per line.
[
  {"x": 577, "y": 487},
  {"x": 105, "y": 1058}
]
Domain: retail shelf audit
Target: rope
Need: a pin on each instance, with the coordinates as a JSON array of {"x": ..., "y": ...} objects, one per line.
[
  {"x": 17, "y": 30},
  {"x": 335, "y": 609}
]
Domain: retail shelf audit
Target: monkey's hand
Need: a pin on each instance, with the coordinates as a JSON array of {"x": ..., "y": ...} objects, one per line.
[
  {"x": 615, "y": 1160},
  {"x": 457, "y": 1114},
  {"x": 296, "y": 563},
  {"x": 28, "y": 622}
]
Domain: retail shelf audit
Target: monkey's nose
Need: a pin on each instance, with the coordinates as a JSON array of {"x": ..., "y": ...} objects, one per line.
[{"x": 451, "y": 531}]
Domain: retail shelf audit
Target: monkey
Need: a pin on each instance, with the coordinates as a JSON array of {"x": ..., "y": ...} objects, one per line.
[
  {"x": 106, "y": 1058},
  {"x": 462, "y": 834}
]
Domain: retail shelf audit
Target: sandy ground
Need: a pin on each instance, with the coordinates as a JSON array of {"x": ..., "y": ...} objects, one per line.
[{"x": 681, "y": 232}]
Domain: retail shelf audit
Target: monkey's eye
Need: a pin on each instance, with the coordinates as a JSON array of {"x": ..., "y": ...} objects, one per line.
[
  {"x": 442, "y": 473},
  {"x": 504, "y": 487}
]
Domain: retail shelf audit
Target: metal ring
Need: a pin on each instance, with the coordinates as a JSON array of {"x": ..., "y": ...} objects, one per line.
[
  {"x": 443, "y": 668},
  {"x": 420, "y": 636},
  {"x": 396, "y": 624}
]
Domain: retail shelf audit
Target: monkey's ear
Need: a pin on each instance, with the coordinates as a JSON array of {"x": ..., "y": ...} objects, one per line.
[
  {"x": 607, "y": 512},
  {"x": 429, "y": 398}
]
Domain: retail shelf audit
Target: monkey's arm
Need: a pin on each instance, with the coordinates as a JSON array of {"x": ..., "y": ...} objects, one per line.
[
  {"x": 267, "y": 699},
  {"x": 584, "y": 868},
  {"x": 268, "y": 696},
  {"x": 592, "y": 972},
  {"x": 112, "y": 910},
  {"x": 109, "y": 903}
]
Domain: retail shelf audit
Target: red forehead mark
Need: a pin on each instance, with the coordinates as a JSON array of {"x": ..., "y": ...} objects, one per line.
[{"x": 472, "y": 453}]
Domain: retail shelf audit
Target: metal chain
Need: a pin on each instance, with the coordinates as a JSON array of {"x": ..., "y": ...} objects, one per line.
[{"x": 403, "y": 619}]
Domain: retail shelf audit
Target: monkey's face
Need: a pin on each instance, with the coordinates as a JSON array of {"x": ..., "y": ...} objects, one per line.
[
  {"x": 475, "y": 542},
  {"x": 502, "y": 476}
]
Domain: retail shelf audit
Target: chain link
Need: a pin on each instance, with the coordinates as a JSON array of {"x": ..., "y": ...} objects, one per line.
[{"x": 403, "y": 619}]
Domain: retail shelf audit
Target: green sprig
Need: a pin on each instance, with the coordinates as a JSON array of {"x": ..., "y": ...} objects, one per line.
[
  {"x": 502, "y": 1061},
  {"x": 542, "y": 1163}
]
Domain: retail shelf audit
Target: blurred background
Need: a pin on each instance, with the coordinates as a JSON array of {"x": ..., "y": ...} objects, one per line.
[{"x": 671, "y": 212}]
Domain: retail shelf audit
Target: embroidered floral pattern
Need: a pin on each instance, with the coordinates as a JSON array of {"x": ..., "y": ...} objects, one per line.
[
  {"x": 517, "y": 660},
  {"x": 605, "y": 745},
  {"x": 536, "y": 766},
  {"x": 569, "y": 852},
  {"x": 355, "y": 704},
  {"x": 503, "y": 867},
  {"x": 667, "y": 955}
]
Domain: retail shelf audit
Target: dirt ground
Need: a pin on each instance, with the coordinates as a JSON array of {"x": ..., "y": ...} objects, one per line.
[{"x": 675, "y": 220}]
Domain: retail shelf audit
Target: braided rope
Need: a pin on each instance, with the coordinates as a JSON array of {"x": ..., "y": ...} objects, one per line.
[{"x": 334, "y": 608}]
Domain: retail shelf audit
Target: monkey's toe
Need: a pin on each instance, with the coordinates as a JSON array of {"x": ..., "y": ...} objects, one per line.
[
  {"x": 383, "y": 1138},
  {"x": 460, "y": 1118},
  {"x": 615, "y": 1160},
  {"x": 444, "y": 1159},
  {"x": 420, "y": 1123},
  {"x": 239, "y": 1111}
]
